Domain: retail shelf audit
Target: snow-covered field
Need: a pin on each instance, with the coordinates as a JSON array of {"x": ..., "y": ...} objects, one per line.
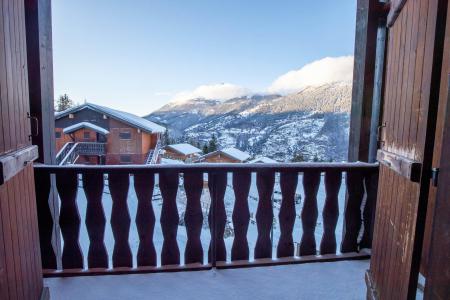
[{"x": 205, "y": 235}]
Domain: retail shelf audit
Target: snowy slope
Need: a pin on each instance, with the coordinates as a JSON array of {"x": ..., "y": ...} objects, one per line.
[{"x": 313, "y": 122}]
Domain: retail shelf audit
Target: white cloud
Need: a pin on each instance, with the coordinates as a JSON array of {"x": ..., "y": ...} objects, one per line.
[
  {"x": 326, "y": 70},
  {"x": 221, "y": 91}
]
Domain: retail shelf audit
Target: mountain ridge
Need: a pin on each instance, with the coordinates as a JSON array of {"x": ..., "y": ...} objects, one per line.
[{"x": 312, "y": 123}]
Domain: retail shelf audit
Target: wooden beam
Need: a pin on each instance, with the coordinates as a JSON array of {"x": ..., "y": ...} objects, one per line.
[
  {"x": 437, "y": 285},
  {"x": 401, "y": 165},
  {"x": 367, "y": 20},
  {"x": 38, "y": 23},
  {"x": 14, "y": 162},
  {"x": 40, "y": 75}
]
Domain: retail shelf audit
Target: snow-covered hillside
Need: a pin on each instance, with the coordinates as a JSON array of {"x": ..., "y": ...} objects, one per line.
[{"x": 313, "y": 123}]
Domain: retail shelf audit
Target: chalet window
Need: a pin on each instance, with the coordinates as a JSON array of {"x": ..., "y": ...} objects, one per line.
[
  {"x": 125, "y": 158},
  {"x": 71, "y": 116},
  {"x": 58, "y": 134},
  {"x": 125, "y": 135},
  {"x": 87, "y": 135}
]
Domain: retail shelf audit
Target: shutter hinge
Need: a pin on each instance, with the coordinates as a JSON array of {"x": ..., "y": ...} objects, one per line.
[{"x": 434, "y": 176}]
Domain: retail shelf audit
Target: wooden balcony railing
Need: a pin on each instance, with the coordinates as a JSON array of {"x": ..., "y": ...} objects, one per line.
[{"x": 360, "y": 180}]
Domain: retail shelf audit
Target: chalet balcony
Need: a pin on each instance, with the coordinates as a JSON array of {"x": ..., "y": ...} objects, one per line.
[{"x": 129, "y": 220}]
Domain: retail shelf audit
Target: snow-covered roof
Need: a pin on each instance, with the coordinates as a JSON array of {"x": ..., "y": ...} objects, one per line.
[
  {"x": 264, "y": 160},
  {"x": 80, "y": 125},
  {"x": 185, "y": 149},
  {"x": 168, "y": 161},
  {"x": 125, "y": 117},
  {"x": 230, "y": 152},
  {"x": 236, "y": 153}
]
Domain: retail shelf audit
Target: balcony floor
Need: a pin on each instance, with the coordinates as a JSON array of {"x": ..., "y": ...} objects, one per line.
[{"x": 335, "y": 280}]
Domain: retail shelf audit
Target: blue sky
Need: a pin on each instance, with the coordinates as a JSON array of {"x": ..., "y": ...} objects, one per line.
[{"x": 138, "y": 55}]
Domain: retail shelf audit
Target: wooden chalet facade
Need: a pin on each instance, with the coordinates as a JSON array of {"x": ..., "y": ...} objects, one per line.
[
  {"x": 127, "y": 139},
  {"x": 227, "y": 155},
  {"x": 397, "y": 181},
  {"x": 182, "y": 152}
]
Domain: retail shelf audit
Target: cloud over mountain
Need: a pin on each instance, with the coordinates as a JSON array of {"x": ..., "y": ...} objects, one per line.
[
  {"x": 222, "y": 91},
  {"x": 326, "y": 70}
]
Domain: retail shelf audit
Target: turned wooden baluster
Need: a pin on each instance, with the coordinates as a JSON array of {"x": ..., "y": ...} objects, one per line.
[
  {"x": 241, "y": 215},
  {"x": 45, "y": 218},
  {"x": 371, "y": 184},
  {"x": 69, "y": 220},
  {"x": 95, "y": 220},
  {"x": 265, "y": 181},
  {"x": 311, "y": 181},
  {"x": 145, "y": 218},
  {"x": 330, "y": 212},
  {"x": 352, "y": 214},
  {"x": 168, "y": 184},
  {"x": 217, "y": 218},
  {"x": 288, "y": 184},
  {"x": 193, "y": 217},
  {"x": 120, "y": 219}
]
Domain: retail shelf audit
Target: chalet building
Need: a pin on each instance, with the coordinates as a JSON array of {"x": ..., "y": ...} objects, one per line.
[
  {"x": 227, "y": 155},
  {"x": 95, "y": 134},
  {"x": 263, "y": 160},
  {"x": 183, "y": 152}
]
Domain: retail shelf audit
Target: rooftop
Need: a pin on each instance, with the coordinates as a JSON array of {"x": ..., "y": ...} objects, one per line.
[
  {"x": 332, "y": 280},
  {"x": 230, "y": 152},
  {"x": 123, "y": 116},
  {"x": 185, "y": 149},
  {"x": 80, "y": 125},
  {"x": 264, "y": 160}
]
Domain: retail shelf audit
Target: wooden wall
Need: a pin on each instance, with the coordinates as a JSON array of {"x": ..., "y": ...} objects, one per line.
[
  {"x": 409, "y": 113},
  {"x": 15, "y": 126},
  {"x": 440, "y": 121},
  {"x": 20, "y": 262}
]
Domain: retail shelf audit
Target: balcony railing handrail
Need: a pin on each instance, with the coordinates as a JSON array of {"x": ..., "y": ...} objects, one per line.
[
  {"x": 225, "y": 167},
  {"x": 360, "y": 180}
]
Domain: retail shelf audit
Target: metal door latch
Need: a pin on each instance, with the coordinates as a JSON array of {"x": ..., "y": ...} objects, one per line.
[{"x": 434, "y": 176}]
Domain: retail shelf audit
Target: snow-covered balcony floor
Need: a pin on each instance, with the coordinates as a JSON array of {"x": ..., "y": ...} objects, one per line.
[{"x": 333, "y": 280}]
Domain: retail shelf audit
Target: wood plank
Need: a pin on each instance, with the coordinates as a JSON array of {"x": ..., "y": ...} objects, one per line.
[
  {"x": 241, "y": 215},
  {"x": 120, "y": 219},
  {"x": 352, "y": 213},
  {"x": 403, "y": 166},
  {"x": 264, "y": 214},
  {"x": 193, "y": 217},
  {"x": 330, "y": 212},
  {"x": 217, "y": 218},
  {"x": 287, "y": 214},
  {"x": 69, "y": 220},
  {"x": 309, "y": 214},
  {"x": 145, "y": 219},
  {"x": 168, "y": 184},
  {"x": 438, "y": 279},
  {"x": 14, "y": 162},
  {"x": 220, "y": 265},
  {"x": 95, "y": 220}
]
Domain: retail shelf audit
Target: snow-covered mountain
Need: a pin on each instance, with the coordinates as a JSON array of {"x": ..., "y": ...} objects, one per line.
[{"x": 313, "y": 123}]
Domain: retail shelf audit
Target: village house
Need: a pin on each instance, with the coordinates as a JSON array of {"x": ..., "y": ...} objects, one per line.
[
  {"x": 227, "y": 155},
  {"x": 184, "y": 152},
  {"x": 262, "y": 160},
  {"x": 94, "y": 134}
]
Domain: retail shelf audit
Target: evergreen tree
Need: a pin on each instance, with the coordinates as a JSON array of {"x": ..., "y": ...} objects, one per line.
[
  {"x": 212, "y": 146},
  {"x": 315, "y": 159},
  {"x": 63, "y": 103},
  {"x": 205, "y": 149},
  {"x": 298, "y": 158},
  {"x": 166, "y": 138}
]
